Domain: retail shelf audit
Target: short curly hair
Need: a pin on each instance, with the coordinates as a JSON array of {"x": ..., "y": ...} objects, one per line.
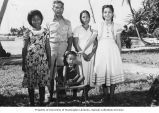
[{"x": 33, "y": 13}]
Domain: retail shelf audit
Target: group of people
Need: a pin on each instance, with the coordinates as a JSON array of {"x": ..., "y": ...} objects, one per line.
[{"x": 47, "y": 51}]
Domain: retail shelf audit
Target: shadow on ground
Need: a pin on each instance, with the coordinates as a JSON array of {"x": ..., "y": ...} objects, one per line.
[
  {"x": 14, "y": 101},
  {"x": 124, "y": 99}
]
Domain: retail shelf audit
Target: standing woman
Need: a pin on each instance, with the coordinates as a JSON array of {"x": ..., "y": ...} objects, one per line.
[
  {"x": 108, "y": 64},
  {"x": 36, "y": 55},
  {"x": 81, "y": 35}
]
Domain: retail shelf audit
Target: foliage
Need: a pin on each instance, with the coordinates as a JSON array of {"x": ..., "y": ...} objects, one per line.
[
  {"x": 145, "y": 17},
  {"x": 17, "y": 32}
]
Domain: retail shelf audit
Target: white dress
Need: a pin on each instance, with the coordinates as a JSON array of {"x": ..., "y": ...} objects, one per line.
[
  {"x": 108, "y": 64},
  {"x": 83, "y": 36}
]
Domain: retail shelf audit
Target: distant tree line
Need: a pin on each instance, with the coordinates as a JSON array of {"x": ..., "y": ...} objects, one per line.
[{"x": 17, "y": 31}]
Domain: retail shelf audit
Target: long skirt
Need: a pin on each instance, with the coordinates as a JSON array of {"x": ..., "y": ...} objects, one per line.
[{"x": 108, "y": 64}]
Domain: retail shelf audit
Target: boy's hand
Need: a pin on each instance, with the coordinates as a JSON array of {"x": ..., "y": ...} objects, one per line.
[{"x": 70, "y": 81}]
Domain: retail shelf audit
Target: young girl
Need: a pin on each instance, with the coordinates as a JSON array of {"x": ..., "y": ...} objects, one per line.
[
  {"x": 108, "y": 64},
  {"x": 36, "y": 56},
  {"x": 81, "y": 35},
  {"x": 71, "y": 71}
]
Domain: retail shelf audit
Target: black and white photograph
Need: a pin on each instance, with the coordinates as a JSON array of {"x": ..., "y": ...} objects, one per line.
[{"x": 79, "y": 54}]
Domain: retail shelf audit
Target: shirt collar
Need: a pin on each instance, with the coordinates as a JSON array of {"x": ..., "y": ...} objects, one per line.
[
  {"x": 89, "y": 28},
  {"x": 56, "y": 19}
]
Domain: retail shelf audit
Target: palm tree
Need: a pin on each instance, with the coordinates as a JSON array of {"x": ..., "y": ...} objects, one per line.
[
  {"x": 146, "y": 15},
  {"x": 135, "y": 20}
]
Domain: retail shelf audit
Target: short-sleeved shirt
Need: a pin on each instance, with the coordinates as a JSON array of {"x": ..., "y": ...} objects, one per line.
[
  {"x": 83, "y": 36},
  {"x": 60, "y": 30},
  {"x": 117, "y": 28}
]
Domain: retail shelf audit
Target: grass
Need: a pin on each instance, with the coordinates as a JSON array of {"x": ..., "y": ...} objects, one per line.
[
  {"x": 130, "y": 93},
  {"x": 150, "y": 57}
]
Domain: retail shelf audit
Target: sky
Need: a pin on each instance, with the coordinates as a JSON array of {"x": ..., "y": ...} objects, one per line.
[{"x": 16, "y": 13}]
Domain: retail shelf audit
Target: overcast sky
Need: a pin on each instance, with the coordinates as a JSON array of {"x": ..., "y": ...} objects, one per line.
[{"x": 17, "y": 10}]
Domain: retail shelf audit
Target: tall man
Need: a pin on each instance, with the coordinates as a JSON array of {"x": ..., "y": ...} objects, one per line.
[{"x": 60, "y": 40}]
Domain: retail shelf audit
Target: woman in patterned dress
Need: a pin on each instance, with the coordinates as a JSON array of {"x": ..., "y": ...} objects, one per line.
[
  {"x": 108, "y": 64},
  {"x": 36, "y": 55}
]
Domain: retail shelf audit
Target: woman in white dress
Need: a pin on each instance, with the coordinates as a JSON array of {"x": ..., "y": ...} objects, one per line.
[
  {"x": 108, "y": 64},
  {"x": 81, "y": 35}
]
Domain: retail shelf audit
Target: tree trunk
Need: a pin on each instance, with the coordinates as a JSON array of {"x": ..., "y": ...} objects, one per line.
[
  {"x": 5, "y": 2},
  {"x": 4, "y": 6},
  {"x": 2, "y": 51}
]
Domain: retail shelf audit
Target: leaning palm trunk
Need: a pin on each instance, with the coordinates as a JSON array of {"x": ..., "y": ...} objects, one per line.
[
  {"x": 3, "y": 10},
  {"x": 5, "y": 2},
  {"x": 89, "y": 1},
  {"x": 131, "y": 9}
]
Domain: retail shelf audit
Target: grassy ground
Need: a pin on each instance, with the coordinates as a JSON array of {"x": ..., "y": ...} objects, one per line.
[
  {"x": 149, "y": 57},
  {"x": 130, "y": 93},
  {"x": 133, "y": 92}
]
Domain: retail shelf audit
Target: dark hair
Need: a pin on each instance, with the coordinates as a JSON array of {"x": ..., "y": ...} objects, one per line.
[
  {"x": 33, "y": 13},
  {"x": 107, "y": 6},
  {"x": 57, "y": 2},
  {"x": 66, "y": 55},
  {"x": 84, "y": 11}
]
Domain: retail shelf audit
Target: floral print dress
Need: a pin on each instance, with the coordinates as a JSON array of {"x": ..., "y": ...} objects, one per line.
[{"x": 37, "y": 70}]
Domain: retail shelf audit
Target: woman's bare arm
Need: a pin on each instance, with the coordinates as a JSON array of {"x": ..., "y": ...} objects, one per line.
[
  {"x": 118, "y": 40},
  {"x": 76, "y": 45},
  {"x": 48, "y": 51},
  {"x": 24, "y": 53},
  {"x": 91, "y": 40}
]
